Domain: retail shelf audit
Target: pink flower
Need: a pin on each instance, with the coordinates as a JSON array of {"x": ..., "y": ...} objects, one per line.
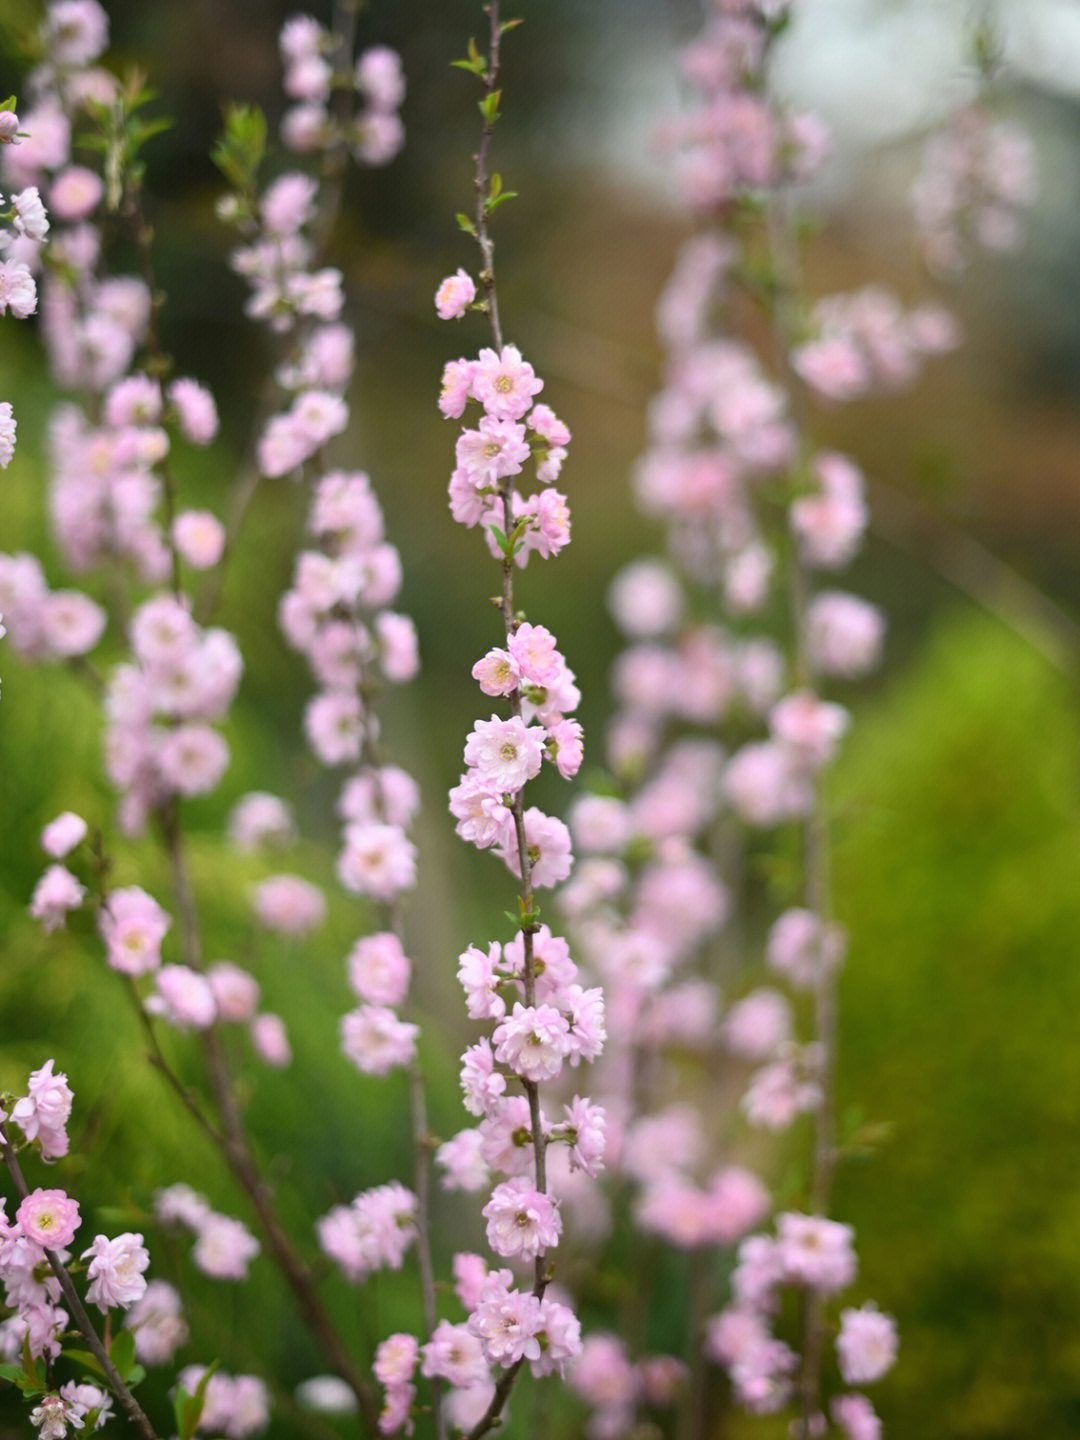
[
  {"x": 505, "y": 383},
  {"x": 815, "y": 1252},
  {"x": 54, "y": 895},
  {"x": 48, "y": 1218},
  {"x": 259, "y": 819},
  {"x": 497, "y": 673},
  {"x": 199, "y": 537},
  {"x": 271, "y": 1041},
  {"x": 454, "y": 1354},
  {"x": 455, "y": 295},
  {"x": 548, "y": 842},
  {"x": 866, "y": 1345},
  {"x": 195, "y": 410},
  {"x": 235, "y": 992},
  {"x": 184, "y": 997},
  {"x": 225, "y": 1247},
  {"x": 465, "y": 1168},
  {"x": 133, "y": 926},
  {"x": 507, "y": 1322},
  {"x": 42, "y": 1114},
  {"x": 157, "y": 1320},
  {"x": 377, "y": 860},
  {"x": 289, "y": 904},
  {"x": 505, "y": 753},
  {"x": 62, "y": 835},
  {"x": 116, "y": 1270},
  {"x": 857, "y": 1416},
  {"x": 533, "y": 1041},
  {"x": 522, "y": 1221},
  {"x": 495, "y": 451},
  {"x": 379, "y": 969},
  {"x": 376, "y": 1041}
]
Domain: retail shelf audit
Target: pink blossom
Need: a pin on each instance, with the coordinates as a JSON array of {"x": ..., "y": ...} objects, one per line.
[
  {"x": 72, "y": 623},
  {"x": 507, "y": 1322},
  {"x": 483, "y": 818},
  {"x": 133, "y": 925},
  {"x": 380, "y": 78},
  {"x": 505, "y": 753},
  {"x": 866, "y": 1345},
  {"x": 376, "y": 1041},
  {"x": 48, "y": 1218},
  {"x": 62, "y": 835},
  {"x": 480, "y": 975},
  {"x": 646, "y": 599},
  {"x": 481, "y": 1082},
  {"x": 756, "y": 1026},
  {"x": 815, "y": 1252},
  {"x": 271, "y": 1041},
  {"x": 504, "y": 383},
  {"x": 857, "y": 1417},
  {"x": 809, "y": 728},
  {"x": 199, "y": 537},
  {"x": 549, "y": 851},
  {"x": 454, "y": 296},
  {"x": 7, "y": 425},
  {"x": 522, "y": 1221},
  {"x": 378, "y": 969},
  {"x": 800, "y": 946},
  {"x": 378, "y": 860},
  {"x": 454, "y": 1354},
  {"x": 533, "y": 1041},
  {"x": 497, "y": 673},
  {"x": 259, "y": 819},
  {"x": 54, "y": 895},
  {"x": 116, "y": 1270},
  {"x": 157, "y": 1320},
  {"x": 844, "y": 634},
  {"x": 195, "y": 410},
  {"x": 184, "y": 997},
  {"x": 289, "y": 904},
  {"x": 495, "y": 451},
  {"x": 18, "y": 292},
  {"x": 456, "y": 387},
  {"x": 43, "y": 1113},
  {"x": 464, "y": 1166},
  {"x": 224, "y": 1248}
]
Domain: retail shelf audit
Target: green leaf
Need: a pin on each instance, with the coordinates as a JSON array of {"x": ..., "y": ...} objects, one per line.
[
  {"x": 188, "y": 1408},
  {"x": 509, "y": 25},
  {"x": 8, "y": 104},
  {"x": 489, "y": 106},
  {"x": 490, "y": 205},
  {"x": 464, "y": 223},
  {"x": 122, "y": 1352},
  {"x": 85, "y": 1357}
]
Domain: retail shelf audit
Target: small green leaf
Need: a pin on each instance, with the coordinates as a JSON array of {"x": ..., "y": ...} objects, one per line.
[
  {"x": 8, "y": 104},
  {"x": 489, "y": 106},
  {"x": 122, "y": 1352},
  {"x": 464, "y": 223},
  {"x": 84, "y": 1357},
  {"x": 509, "y": 25},
  {"x": 490, "y": 205},
  {"x": 189, "y": 1408}
]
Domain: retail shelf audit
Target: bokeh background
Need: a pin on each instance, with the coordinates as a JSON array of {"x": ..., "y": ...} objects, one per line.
[{"x": 958, "y": 834}]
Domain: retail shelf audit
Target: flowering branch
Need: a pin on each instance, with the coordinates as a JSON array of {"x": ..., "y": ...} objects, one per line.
[{"x": 78, "y": 1311}]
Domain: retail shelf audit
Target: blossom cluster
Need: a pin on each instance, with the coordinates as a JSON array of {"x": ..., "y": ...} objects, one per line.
[
  {"x": 374, "y": 134},
  {"x": 23, "y": 228},
  {"x": 224, "y": 1247},
  {"x": 47, "y": 1220}
]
